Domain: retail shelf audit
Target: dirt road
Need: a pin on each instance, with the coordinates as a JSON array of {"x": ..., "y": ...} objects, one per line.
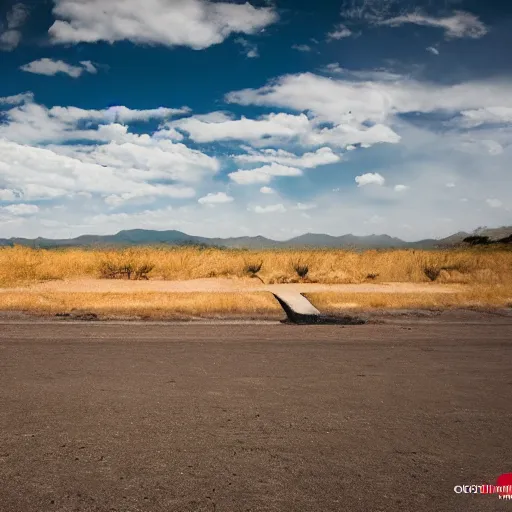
[{"x": 148, "y": 417}]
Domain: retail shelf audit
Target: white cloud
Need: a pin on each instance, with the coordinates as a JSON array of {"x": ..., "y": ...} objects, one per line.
[
  {"x": 8, "y": 195},
  {"x": 450, "y": 185},
  {"x": 494, "y": 203},
  {"x": 304, "y": 206},
  {"x": 339, "y": 32},
  {"x": 50, "y": 67},
  {"x": 250, "y": 49},
  {"x": 26, "y": 169},
  {"x": 263, "y": 174},
  {"x": 322, "y": 156},
  {"x": 267, "y": 190},
  {"x": 9, "y": 40},
  {"x": 197, "y": 24},
  {"x": 401, "y": 188},
  {"x": 301, "y": 47},
  {"x": 21, "y": 209},
  {"x": 89, "y": 66},
  {"x": 277, "y": 128},
  {"x": 459, "y": 25},
  {"x": 273, "y": 208},
  {"x": 272, "y": 125},
  {"x": 487, "y": 115},
  {"x": 432, "y": 50},
  {"x": 11, "y": 37},
  {"x": 354, "y": 100},
  {"x": 494, "y": 148},
  {"x": 370, "y": 179},
  {"x": 375, "y": 219},
  {"x": 216, "y": 198},
  {"x": 16, "y": 99},
  {"x": 32, "y": 123}
]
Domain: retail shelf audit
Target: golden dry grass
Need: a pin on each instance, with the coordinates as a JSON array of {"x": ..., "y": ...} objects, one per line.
[
  {"x": 489, "y": 266},
  {"x": 144, "y": 304},
  {"x": 478, "y": 296},
  {"x": 487, "y": 272}
]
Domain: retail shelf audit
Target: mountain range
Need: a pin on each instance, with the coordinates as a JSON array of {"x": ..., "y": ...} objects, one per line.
[{"x": 136, "y": 237}]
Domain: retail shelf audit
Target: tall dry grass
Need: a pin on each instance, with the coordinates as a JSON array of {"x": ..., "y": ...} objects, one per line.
[
  {"x": 490, "y": 266},
  {"x": 144, "y": 304}
]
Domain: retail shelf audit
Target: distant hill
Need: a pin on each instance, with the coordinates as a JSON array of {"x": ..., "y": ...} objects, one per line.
[{"x": 136, "y": 237}]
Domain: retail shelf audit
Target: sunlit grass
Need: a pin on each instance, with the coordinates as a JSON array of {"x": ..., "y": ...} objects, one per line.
[
  {"x": 20, "y": 265},
  {"x": 144, "y": 304}
]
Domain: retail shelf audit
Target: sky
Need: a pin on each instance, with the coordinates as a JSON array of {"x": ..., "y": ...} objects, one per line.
[{"x": 274, "y": 118}]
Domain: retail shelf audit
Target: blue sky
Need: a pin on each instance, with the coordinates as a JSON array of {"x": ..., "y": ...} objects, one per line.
[{"x": 271, "y": 117}]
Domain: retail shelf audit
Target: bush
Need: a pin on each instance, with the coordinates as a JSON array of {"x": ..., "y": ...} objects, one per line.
[
  {"x": 432, "y": 272},
  {"x": 300, "y": 268},
  {"x": 252, "y": 269},
  {"x": 477, "y": 240},
  {"x": 125, "y": 266}
]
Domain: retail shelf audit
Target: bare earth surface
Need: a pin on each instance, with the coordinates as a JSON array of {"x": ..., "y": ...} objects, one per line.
[
  {"x": 224, "y": 285},
  {"x": 169, "y": 417}
]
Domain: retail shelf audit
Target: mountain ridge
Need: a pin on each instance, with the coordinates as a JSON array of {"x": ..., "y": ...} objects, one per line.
[{"x": 137, "y": 237}]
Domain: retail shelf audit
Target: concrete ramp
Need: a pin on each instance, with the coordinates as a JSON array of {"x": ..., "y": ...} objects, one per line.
[{"x": 299, "y": 310}]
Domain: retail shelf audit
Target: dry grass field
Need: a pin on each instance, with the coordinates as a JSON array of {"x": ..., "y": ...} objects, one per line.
[{"x": 485, "y": 276}]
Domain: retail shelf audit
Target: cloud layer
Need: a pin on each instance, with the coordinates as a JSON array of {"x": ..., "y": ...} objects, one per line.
[
  {"x": 50, "y": 67},
  {"x": 197, "y": 24}
]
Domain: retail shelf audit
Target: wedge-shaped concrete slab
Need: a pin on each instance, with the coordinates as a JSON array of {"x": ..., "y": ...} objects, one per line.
[{"x": 300, "y": 311}]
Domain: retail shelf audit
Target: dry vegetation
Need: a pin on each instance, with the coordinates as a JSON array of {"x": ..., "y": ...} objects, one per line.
[
  {"x": 491, "y": 266},
  {"x": 144, "y": 305},
  {"x": 486, "y": 296},
  {"x": 487, "y": 271}
]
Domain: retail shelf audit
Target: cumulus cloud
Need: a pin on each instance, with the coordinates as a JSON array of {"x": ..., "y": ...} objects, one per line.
[
  {"x": 401, "y": 188},
  {"x": 21, "y": 209},
  {"x": 354, "y": 100},
  {"x": 322, "y": 156},
  {"x": 264, "y": 190},
  {"x": 494, "y": 203},
  {"x": 197, "y": 24},
  {"x": 361, "y": 109},
  {"x": 375, "y": 219},
  {"x": 16, "y": 99},
  {"x": 272, "y": 208},
  {"x": 33, "y": 123},
  {"x": 8, "y": 195},
  {"x": 115, "y": 164},
  {"x": 202, "y": 129},
  {"x": 278, "y": 128},
  {"x": 249, "y": 49},
  {"x": 263, "y": 174},
  {"x": 369, "y": 179},
  {"x": 487, "y": 115},
  {"x": 301, "y": 47},
  {"x": 216, "y": 198},
  {"x": 89, "y": 66},
  {"x": 11, "y": 37},
  {"x": 50, "y": 67},
  {"x": 304, "y": 206},
  {"x": 432, "y": 50},
  {"x": 459, "y": 25},
  {"x": 339, "y": 32},
  {"x": 28, "y": 169}
]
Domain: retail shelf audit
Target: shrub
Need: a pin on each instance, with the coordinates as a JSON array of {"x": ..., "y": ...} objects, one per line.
[
  {"x": 477, "y": 240},
  {"x": 300, "y": 268},
  {"x": 124, "y": 266},
  {"x": 432, "y": 272},
  {"x": 252, "y": 269}
]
